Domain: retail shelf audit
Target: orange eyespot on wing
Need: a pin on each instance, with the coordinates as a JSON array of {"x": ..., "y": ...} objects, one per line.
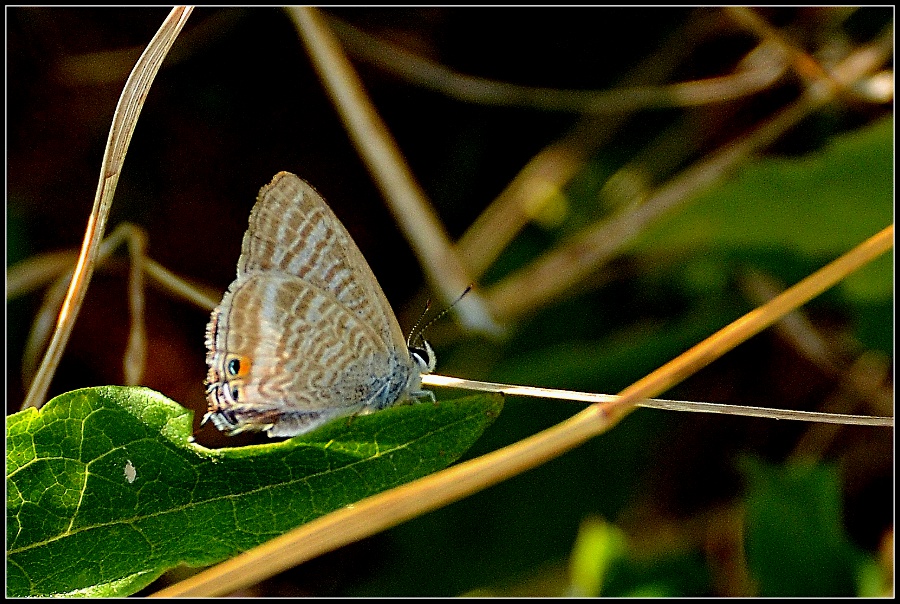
[{"x": 236, "y": 366}]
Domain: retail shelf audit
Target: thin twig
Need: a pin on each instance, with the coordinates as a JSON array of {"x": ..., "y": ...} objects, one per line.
[
  {"x": 669, "y": 405},
  {"x": 379, "y": 150},
  {"x": 484, "y": 91},
  {"x": 32, "y": 273},
  {"x": 124, "y": 120},
  {"x": 200, "y": 296},
  {"x": 136, "y": 350},
  {"x": 59, "y": 267},
  {"x": 537, "y": 285},
  {"x": 805, "y": 65},
  {"x": 555, "y": 165},
  {"x": 43, "y": 324}
]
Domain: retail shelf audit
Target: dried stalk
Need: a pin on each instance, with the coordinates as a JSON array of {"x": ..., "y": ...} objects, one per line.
[
  {"x": 379, "y": 150},
  {"x": 124, "y": 121}
]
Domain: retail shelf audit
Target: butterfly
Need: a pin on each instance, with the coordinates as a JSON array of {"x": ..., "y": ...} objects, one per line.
[{"x": 305, "y": 333}]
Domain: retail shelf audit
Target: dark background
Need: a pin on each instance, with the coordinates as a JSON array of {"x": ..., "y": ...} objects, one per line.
[{"x": 237, "y": 101}]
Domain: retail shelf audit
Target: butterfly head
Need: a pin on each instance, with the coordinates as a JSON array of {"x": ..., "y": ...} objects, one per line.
[
  {"x": 225, "y": 394},
  {"x": 424, "y": 356}
]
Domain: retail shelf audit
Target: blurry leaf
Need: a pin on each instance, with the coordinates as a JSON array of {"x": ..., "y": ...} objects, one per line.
[
  {"x": 676, "y": 574},
  {"x": 599, "y": 563},
  {"x": 609, "y": 362},
  {"x": 597, "y": 546},
  {"x": 820, "y": 205},
  {"x": 795, "y": 540},
  {"x": 872, "y": 581},
  {"x": 651, "y": 590},
  {"x": 80, "y": 521}
]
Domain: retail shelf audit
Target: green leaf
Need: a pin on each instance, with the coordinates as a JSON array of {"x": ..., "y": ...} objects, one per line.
[
  {"x": 597, "y": 547},
  {"x": 820, "y": 205},
  {"x": 795, "y": 540},
  {"x": 106, "y": 491}
]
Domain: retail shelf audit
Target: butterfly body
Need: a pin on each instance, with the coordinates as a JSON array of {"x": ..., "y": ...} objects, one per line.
[{"x": 305, "y": 333}]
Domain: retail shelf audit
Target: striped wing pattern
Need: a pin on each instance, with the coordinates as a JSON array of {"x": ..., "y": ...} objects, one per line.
[
  {"x": 305, "y": 333},
  {"x": 292, "y": 230}
]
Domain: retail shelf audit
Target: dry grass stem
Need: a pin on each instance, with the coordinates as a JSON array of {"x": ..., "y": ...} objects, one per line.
[
  {"x": 470, "y": 89},
  {"x": 652, "y": 403},
  {"x": 550, "y": 170},
  {"x": 379, "y": 150},
  {"x": 549, "y": 277},
  {"x": 124, "y": 120}
]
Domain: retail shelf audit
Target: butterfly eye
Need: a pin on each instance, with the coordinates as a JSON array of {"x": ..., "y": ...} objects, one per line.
[
  {"x": 424, "y": 357},
  {"x": 235, "y": 392}
]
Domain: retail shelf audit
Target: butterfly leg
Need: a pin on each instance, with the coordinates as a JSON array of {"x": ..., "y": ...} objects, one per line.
[{"x": 420, "y": 394}]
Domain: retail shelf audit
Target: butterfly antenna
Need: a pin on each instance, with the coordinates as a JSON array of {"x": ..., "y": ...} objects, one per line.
[
  {"x": 409, "y": 340},
  {"x": 422, "y": 331}
]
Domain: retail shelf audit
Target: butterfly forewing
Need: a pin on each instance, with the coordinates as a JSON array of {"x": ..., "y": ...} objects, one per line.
[{"x": 293, "y": 230}]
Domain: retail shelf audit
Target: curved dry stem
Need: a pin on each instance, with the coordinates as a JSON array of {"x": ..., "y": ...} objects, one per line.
[
  {"x": 379, "y": 512},
  {"x": 548, "y": 278},
  {"x": 484, "y": 91},
  {"x": 44, "y": 322},
  {"x": 379, "y": 150},
  {"x": 550, "y": 170},
  {"x": 136, "y": 350},
  {"x": 112, "y": 66},
  {"x": 124, "y": 120}
]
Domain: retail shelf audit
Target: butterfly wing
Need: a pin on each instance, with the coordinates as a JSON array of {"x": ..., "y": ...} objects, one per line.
[
  {"x": 305, "y": 333},
  {"x": 285, "y": 356},
  {"x": 293, "y": 231}
]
